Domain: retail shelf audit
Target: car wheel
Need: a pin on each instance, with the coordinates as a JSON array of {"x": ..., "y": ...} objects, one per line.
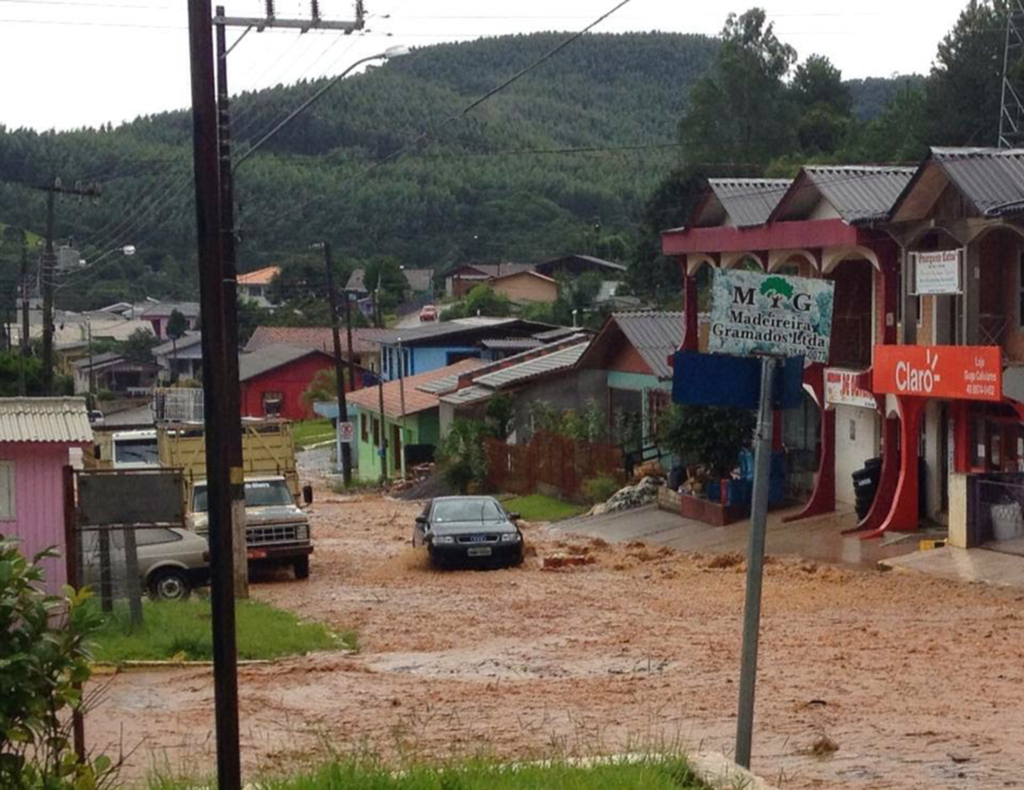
[
  {"x": 301, "y": 568},
  {"x": 169, "y": 585}
]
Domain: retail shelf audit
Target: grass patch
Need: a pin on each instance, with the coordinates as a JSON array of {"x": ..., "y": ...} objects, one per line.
[
  {"x": 182, "y": 630},
  {"x": 652, "y": 773},
  {"x": 540, "y": 507},
  {"x": 308, "y": 432}
]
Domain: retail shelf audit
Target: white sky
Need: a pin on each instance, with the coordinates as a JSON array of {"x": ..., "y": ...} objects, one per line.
[{"x": 71, "y": 63}]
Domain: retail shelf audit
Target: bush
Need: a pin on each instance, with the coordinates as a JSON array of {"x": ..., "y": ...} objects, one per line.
[
  {"x": 43, "y": 662},
  {"x": 600, "y": 489},
  {"x": 709, "y": 435},
  {"x": 461, "y": 455}
]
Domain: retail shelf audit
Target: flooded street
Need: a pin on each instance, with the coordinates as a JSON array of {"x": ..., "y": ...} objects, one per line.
[{"x": 918, "y": 682}]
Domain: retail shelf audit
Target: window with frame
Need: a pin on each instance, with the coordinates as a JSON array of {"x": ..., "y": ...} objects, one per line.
[
  {"x": 364, "y": 422},
  {"x": 376, "y": 432},
  {"x": 8, "y": 501},
  {"x": 273, "y": 403}
]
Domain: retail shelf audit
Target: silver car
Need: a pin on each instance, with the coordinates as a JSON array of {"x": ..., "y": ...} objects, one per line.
[{"x": 172, "y": 561}]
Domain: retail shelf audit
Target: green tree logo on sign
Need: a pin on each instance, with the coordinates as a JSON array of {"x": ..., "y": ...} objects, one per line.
[{"x": 776, "y": 289}]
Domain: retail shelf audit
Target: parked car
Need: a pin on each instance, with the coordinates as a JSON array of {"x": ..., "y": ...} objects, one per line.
[
  {"x": 172, "y": 561},
  {"x": 276, "y": 529},
  {"x": 428, "y": 313},
  {"x": 469, "y": 530}
]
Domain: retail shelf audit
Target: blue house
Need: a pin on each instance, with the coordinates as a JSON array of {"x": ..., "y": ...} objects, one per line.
[{"x": 415, "y": 350}]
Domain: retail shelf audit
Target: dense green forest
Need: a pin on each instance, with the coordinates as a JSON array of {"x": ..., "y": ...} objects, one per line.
[{"x": 652, "y": 113}]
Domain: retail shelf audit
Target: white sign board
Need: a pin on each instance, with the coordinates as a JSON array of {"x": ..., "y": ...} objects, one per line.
[
  {"x": 841, "y": 389},
  {"x": 937, "y": 272},
  {"x": 770, "y": 314},
  {"x": 346, "y": 431}
]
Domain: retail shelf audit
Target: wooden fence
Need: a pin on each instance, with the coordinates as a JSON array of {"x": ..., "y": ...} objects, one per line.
[{"x": 550, "y": 460}]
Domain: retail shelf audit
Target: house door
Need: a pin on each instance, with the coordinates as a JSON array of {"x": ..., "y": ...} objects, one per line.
[{"x": 396, "y": 448}]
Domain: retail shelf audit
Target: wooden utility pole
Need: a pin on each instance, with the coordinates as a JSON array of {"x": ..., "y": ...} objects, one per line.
[
  {"x": 229, "y": 270},
  {"x": 52, "y": 189},
  {"x": 215, "y": 395},
  {"x": 339, "y": 376}
]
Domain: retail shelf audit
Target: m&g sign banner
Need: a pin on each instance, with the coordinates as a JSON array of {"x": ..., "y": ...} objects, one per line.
[{"x": 770, "y": 314}]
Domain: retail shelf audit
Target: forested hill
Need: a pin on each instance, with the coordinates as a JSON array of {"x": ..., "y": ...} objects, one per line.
[{"x": 497, "y": 184}]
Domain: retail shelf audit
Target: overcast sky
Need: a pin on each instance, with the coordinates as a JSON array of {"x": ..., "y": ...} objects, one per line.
[{"x": 70, "y": 63}]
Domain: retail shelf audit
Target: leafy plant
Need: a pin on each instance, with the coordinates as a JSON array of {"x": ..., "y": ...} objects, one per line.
[
  {"x": 461, "y": 455},
  {"x": 599, "y": 489},
  {"x": 709, "y": 435},
  {"x": 501, "y": 415},
  {"x": 44, "y": 660}
]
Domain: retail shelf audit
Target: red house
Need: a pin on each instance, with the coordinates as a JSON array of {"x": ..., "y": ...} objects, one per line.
[{"x": 274, "y": 378}]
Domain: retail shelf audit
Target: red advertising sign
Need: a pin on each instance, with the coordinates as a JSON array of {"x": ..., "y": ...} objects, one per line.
[
  {"x": 953, "y": 372},
  {"x": 842, "y": 388}
]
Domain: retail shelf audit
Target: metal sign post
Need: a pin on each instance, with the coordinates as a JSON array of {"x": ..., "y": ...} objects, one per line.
[{"x": 755, "y": 565}]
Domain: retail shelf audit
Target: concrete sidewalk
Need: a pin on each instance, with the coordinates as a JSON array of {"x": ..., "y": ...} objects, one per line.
[
  {"x": 817, "y": 538},
  {"x": 965, "y": 565}
]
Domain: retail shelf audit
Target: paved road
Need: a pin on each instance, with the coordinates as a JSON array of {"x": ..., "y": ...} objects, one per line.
[{"x": 816, "y": 538}]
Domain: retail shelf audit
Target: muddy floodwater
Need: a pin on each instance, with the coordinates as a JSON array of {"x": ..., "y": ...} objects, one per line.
[{"x": 915, "y": 682}]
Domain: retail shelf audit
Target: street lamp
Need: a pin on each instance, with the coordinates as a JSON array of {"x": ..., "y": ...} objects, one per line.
[{"x": 390, "y": 53}]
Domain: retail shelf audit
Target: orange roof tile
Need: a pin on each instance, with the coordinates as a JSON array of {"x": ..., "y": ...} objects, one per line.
[
  {"x": 310, "y": 337},
  {"x": 259, "y": 276}
]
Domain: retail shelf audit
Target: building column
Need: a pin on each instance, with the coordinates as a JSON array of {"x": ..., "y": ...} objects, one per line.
[
  {"x": 823, "y": 498},
  {"x": 691, "y": 331},
  {"x": 903, "y": 515},
  {"x": 889, "y": 259}
]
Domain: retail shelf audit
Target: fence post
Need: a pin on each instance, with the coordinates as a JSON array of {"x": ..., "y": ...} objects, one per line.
[
  {"x": 133, "y": 587},
  {"x": 106, "y": 582}
]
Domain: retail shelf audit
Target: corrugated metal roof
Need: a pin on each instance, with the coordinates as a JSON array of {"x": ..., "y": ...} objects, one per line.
[
  {"x": 992, "y": 179},
  {"x": 547, "y": 363},
  {"x": 749, "y": 201},
  {"x": 654, "y": 334},
  {"x": 512, "y": 342},
  {"x": 471, "y": 394},
  {"x": 270, "y": 357},
  {"x": 417, "y": 397},
  {"x": 64, "y": 420},
  {"x": 860, "y": 193}
]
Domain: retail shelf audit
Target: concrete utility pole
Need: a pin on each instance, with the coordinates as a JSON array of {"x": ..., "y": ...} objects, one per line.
[
  {"x": 52, "y": 190},
  {"x": 345, "y": 448},
  {"x": 219, "y": 474}
]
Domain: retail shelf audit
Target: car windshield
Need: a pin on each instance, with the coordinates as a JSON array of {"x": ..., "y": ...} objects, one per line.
[
  {"x": 136, "y": 451},
  {"x": 260, "y": 493},
  {"x": 450, "y": 510}
]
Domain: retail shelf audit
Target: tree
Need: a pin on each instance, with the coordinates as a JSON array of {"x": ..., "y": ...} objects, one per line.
[
  {"x": 177, "y": 326},
  {"x": 383, "y": 276},
  {"x": 963, "y": 92},
  {"x": 461, "y": 455},
  {"x": 710, "y": 436},
  {"x": 501, "y": 415},
  {"x": 825, "y": 106},
  {"x": 481, "y": 300},
  {"x": 139, "y": 346},
  {"x": 739, "y": 112},
  {"x": 323, "y": 387}
]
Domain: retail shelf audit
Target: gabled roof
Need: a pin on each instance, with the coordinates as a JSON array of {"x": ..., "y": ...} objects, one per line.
[
  {"x": 271, "y": 357},
  {"x": 744, "y": 202},
  {"x": 417, "y": 398},
  {"x": 654, "y": 334},
  {"x": 319, "y": 337},
  {"x": 98, "y": 359},
  {"x": 991, "y": 179},
  {"x": 164, "y": 310},
  {"x": 494, "y": 269},
  {"x": 62, "y": 420},
  {"x": 188, "y": 340},
  {"x": 419, "y": 280},
  {"x": 259, "y": 276},
  {"x": 857, "y": 193},
  {"x": 579, "y": 261},
  {"x": 466, "y": 330},
  {"x": 527, "y": 273}
]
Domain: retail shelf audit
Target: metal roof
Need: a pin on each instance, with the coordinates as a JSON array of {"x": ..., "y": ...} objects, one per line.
[
  {"x": 654, "y": 334},
  {"x": 992, "y": 179},
  {"x": 416, "y": 390},
  {"x": 858, "y": 193},
  {"x": 63, "y": 420},
  {"x": 519, "y": 343},
  {"x": 270, "y": 357},
  {"x": 538, "y": 366},
  {"x": 419, "y": 280},
  {"x": 471, "y": 394},
  {"x": 749, "y": 201}
]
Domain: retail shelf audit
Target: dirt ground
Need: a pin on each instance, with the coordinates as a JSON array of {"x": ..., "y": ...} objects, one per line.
[{"x": 919, "y": 683}]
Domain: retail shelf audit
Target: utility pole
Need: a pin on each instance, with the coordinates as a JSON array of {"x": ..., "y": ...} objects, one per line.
[
  {"x": 345, "y": 448},
  {"x": 229, "y": 271},
  {"x": 52, "y": 189},
  {"x": 218, "y": 471},
  {"x": 401, "y": 398},
  {"x": 26, "y": 346}
]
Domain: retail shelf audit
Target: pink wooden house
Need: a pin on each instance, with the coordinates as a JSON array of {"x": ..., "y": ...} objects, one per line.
[{"x": 36, "y": 435}]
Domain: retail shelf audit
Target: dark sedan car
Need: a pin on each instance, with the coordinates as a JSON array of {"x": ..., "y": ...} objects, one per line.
[{"x": 469, "y": 530}]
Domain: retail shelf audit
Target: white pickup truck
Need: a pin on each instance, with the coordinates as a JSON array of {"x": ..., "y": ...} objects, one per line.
[{"x": 276, "y": 529}]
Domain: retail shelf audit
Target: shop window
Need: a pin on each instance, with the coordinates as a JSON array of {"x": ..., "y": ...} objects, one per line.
[
  {"x": 8, "y": 503},
  {"x": 376, "y": 432},
  {"x": 364, "y": 420},
  {"x": 273, "y": 403}
]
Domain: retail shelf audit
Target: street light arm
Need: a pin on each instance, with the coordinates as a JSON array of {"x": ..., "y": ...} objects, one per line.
[{"x": 298, "y": 110}]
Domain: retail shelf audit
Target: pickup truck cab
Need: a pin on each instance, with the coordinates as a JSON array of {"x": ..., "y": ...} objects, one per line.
[{"x": 276, "y": 529}]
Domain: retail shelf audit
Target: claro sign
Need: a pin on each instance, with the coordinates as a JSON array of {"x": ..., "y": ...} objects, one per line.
[{"x": 953, "y": 372}]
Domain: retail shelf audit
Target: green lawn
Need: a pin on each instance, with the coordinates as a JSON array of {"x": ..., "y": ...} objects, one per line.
[
  {"x": 653, "y": 773},
  {"x": 309, "y": 432},
  {"x": 182, "y": 630},
  {"x": 539, "y": 507}
]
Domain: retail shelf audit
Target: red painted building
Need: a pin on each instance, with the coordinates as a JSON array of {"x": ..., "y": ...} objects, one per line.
[{"x": 274, "y": 378}]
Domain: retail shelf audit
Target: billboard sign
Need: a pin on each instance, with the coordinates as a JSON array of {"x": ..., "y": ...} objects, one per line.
[
  {"x": 842, "y": 389},
  {"x": 937, "y": 272},
  {"x": 953, "y": 372},
  {"x": 754, "y": 314}
]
